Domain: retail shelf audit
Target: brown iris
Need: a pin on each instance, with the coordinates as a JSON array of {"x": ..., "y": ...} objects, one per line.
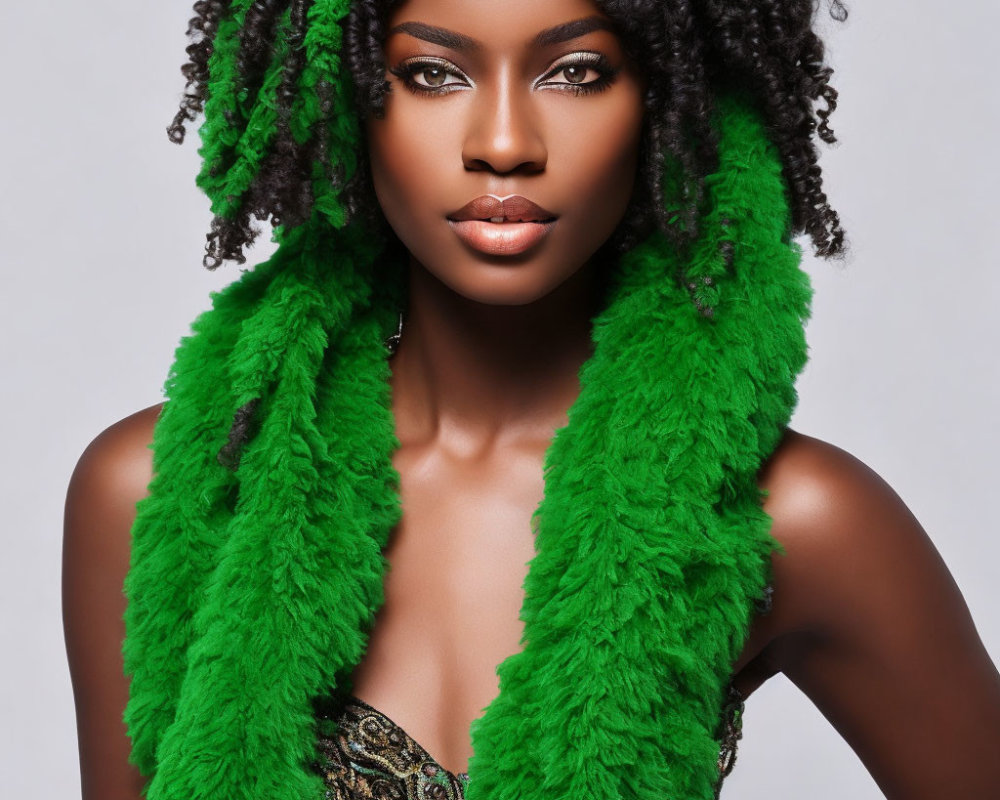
[{"x": 434, "y": 76}]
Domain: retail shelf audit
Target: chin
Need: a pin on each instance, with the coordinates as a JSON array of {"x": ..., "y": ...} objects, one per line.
[{"x": 506, "y": 286}]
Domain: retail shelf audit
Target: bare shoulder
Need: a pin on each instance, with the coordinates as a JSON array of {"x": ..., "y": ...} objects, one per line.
[
  {"x": 822, "y": 494},
  {"x": 868, "y": 622},
  {"x": 118, "y": 462},
  {"x": 845, "y": 531},
  {"x": 110, "y": 477}
]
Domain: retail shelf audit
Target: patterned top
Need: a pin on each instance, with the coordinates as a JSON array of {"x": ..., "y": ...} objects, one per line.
[{"x": 364, "y": 755}]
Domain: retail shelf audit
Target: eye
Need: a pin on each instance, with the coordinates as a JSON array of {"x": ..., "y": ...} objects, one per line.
[
  {"x": 430, "y": 75},
  {"x": 580, "y": 72},
  {"x": 433, "y": 76},
  {"x": 577, "y": 73}
]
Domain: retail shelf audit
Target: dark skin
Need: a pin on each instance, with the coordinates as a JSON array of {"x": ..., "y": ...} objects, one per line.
[{"x": 866, "y": 620}]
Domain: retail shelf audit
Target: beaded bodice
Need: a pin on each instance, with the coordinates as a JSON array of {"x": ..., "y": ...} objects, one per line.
[{"x": 364, "y": 755}]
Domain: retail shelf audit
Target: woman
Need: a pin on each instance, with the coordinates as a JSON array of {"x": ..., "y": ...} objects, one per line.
[{"x": 518, "y": 159}]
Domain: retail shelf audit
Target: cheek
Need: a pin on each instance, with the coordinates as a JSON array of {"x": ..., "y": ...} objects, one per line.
[
  {"x": 599, "y": 154},
  {"x": 393, "y": 168},
  {"x": 405, "y": 161}
]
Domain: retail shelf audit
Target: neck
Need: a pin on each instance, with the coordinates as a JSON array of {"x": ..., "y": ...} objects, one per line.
[{"x": 483, "y": 372}]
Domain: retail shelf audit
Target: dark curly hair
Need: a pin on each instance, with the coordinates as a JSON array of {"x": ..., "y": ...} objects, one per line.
[{"x": 689, "y": 50}]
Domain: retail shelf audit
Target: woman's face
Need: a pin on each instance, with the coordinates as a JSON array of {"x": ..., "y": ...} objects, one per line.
[{"x": 525, "y": 113}]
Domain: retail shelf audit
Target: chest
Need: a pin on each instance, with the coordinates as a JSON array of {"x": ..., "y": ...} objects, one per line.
[{"x": 453, "y": 589}]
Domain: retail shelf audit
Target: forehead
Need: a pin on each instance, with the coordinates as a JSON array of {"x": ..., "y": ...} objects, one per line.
[{"x": 496, "y": 24}]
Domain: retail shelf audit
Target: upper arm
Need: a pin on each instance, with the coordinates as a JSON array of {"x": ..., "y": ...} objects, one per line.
[
  {"x": 874, "y": 629},
  {"x": 110, "y": 478}
]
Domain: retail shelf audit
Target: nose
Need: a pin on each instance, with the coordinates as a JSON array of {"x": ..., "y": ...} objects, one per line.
[{"x": 503, "y": 136}]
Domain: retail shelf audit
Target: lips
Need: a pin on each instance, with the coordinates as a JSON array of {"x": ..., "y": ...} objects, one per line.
[
  {"x": 512, "y": 209},
  {"x": 509, "y": 226}
]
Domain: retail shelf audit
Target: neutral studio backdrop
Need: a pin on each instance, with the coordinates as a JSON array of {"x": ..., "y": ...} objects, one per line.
[{"x": 102, "y": 230}]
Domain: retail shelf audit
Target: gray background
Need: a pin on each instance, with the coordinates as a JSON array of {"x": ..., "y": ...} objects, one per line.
[{"x": 102, "y": 230}]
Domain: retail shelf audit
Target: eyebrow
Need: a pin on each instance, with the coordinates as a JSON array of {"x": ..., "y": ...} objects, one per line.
[
  {"x": 435, "y": 35},
  {"x": 457, "y": 41},
  {"x": 572, "y": 30}
]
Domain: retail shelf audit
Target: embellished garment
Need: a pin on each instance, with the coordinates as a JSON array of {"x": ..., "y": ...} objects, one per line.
[{"x": 364, "y": 755}]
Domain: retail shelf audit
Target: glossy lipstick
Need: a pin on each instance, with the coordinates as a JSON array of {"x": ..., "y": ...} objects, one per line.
[{"x": 501, "y": 226}]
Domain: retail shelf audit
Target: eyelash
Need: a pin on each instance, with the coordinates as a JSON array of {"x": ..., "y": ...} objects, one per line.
[{"x": 605, "y": 74}]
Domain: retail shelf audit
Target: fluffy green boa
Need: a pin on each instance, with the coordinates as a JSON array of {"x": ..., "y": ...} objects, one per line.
[{"x": 252, "y": 591}]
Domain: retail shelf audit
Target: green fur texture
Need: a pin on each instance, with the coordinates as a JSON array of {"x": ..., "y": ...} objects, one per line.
[{"x": 252, "y": 591}]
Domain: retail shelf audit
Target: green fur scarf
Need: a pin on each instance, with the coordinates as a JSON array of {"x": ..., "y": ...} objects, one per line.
[{"x": 253, "y": 586}]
